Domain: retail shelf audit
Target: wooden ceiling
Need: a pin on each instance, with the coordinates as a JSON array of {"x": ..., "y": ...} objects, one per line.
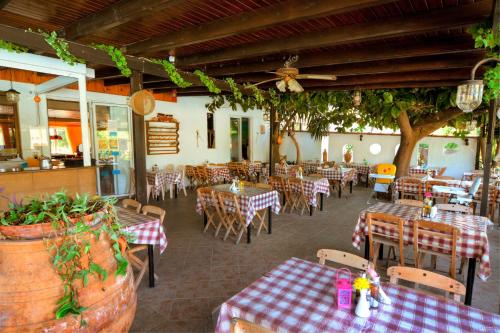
[{"x": 365, "y": 43}]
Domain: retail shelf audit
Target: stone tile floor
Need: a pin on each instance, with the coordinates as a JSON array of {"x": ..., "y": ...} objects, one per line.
[{"x": 197, "y": 272}]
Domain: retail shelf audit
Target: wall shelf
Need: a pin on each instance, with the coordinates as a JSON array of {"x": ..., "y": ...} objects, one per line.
[{"x": 162, "y": 137}]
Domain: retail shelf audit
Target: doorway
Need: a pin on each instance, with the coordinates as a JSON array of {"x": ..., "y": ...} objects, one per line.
[{"x": 240, "y": 139}]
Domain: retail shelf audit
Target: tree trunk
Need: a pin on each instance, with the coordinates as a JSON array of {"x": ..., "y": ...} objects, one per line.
[
  {"x": 297, "y": 147},
  {"x": 402, "y": 159},
  {"x": 275, "y": 145}
]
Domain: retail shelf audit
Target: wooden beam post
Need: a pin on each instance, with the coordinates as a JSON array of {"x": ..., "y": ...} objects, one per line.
[
  {"x": 139, "y": 139},
  {"x": 272, "y": 117}
]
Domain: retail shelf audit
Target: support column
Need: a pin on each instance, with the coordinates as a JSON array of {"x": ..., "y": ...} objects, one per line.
[
  {"x": 84, "y": 120},
  {"x": 487, "y": 159},
  {"x": 272, "y": 117},
  {"x": 139, "y": 143}
]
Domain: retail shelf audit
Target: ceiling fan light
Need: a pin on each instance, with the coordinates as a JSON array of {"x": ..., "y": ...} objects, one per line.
[
  {"x": 281, "y": 85},
  {"x": 356, "y": 100},
  {"x": 294, "y": 86}
]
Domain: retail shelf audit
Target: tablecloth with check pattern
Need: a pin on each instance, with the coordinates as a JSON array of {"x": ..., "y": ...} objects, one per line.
[
  {"x": 344, "y": 176},
  {"x": 160, "y": 179},
  {"x": 420, "y": 171},
  {"x": 285, "y": 170},
  {"x": 362, "y": 169},
  {"x": 250, "y": 201},
  {"x": 219, "y": 174},
  {"x": 472, "y": 241},
  {"x": 312, "y": 187},
  {"x": 146, "y": 229},
  {"x": 300, "y": 296},
  {"x": 253, "y": 168},
  {"x": 310, "y": 166}
]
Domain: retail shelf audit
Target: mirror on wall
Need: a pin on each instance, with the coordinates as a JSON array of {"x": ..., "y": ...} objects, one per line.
[{"x": 9, "y": 130}]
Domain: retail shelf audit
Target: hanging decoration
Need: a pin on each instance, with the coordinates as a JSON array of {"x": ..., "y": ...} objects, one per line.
[
  {"x": 142, "y": 102},
  {"x": 117, "y": 56},
  {"x": 12, "y": 95}
]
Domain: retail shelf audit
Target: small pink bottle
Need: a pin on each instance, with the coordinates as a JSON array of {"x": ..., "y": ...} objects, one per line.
[{"x": 344, "y": 290}]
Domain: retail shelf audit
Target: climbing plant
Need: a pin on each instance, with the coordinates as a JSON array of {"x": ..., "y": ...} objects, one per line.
[
  {"x": 234, "y": 89},
  {"x": 174, "y": 76},
  {"x": 11, "y": 47},
  {"x": 61, "y": 47},
  {"x": 207, "y": 82},
  {"x": 117, "y": 56}
]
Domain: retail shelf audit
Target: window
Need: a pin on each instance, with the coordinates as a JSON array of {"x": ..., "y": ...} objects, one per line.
[
  {"x": 9, "y": 134},
  {"x": 59, "y": 141},
  {"x": 210, "y": 130},
  {"x": 375, "y": 148}
]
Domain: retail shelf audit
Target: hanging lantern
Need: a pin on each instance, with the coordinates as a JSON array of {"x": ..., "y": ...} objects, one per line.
[
  {"x": 12, "y": 95},
  {"x": 470, "y": 95},
  {"x": 356, "y": 99}
]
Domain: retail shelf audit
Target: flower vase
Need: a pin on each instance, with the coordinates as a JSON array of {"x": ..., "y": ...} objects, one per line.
[{"x": 363, "y": 306}]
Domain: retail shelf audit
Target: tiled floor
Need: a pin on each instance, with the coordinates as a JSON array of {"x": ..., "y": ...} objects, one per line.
[{"x": 198, "y": 272}]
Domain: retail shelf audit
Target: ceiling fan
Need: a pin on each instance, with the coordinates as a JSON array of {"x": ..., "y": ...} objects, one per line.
[{"x": 287, "y": 77}]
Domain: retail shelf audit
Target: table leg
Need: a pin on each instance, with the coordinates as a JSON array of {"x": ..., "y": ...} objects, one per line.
[
  {"x": 283, "y": 200},
  {"x": 321, "y": 196},
  {"x": 311, "y": 209},
  {"x": 151, "y": 263},
  {"x": 381, "y": 252},
  {"x": 175, "y": 191},
  {"x": 350, "y": 186},
  {"x": 340, "y": 189},
  {"x": 205, "y": 221},
  {"x": 249, "y": 233},
  {"x": 269, "y": 219},
  {"x": 367, "y": 248},
  {"x": 471, "y": 272},
  {"x": 367, "y": 180}
]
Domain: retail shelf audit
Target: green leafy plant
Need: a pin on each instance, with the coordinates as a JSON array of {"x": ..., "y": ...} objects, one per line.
[
  {"x": 174, "y": 76},
  {"x": 257, "y": 94},
  {"x": 61, "y": 47},
  {"x": 234, "y": 89},
  {"x": 207, "y": 82},
  {"x": 117, "y": 56},
  {"x": 451, "y": 146},
  {"x": 11, "y": 47},
  {"x": 70, "y": 250}
]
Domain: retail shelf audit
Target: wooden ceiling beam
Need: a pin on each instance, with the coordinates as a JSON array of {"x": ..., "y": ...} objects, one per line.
[
  {"x": 443, "y": 19},
  {"x": 4, "y": 3},
  {"x": 389, "y": 85},
  {"x": 34, "y": 41},
  {"x": 460, "y": 44},
  {"x": 281, "y": 13},
  {"x": 117, "y": 14}
]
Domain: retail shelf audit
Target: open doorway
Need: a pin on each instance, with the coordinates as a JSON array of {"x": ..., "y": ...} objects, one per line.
[{"x": 240, "y": 139}]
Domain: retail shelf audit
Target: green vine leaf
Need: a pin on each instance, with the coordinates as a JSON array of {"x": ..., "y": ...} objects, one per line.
[
  {"x": 174, "y": 76},
  {"x": 259, "y": 98},
  {"x": 207, "y": 82},
  {"x": 234, "y": 89},
  {"x": 11, "y": 47},
  {"x": 117, "y": 56},
  {"x": 61, "y": 47}
]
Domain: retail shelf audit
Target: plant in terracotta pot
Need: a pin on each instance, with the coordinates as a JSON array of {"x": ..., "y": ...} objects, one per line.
[
  {"x": 348, "y": 153},
  {"x": 65, "y": 262}
]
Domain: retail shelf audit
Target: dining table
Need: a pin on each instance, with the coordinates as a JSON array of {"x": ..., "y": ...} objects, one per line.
[
  {"x": 341, "y": 175},
  {"x": 218, "y": 173},
  {"x": 363, "y": 170},
  {"x": 250, "y": 200},
  {"x": 145, "y": 230},
  {"x": 472, "y": 242},
  {"x": 418, "y": 170},
  {"x": 301, "y": 296},
  {"x": 162, "y": 178}
]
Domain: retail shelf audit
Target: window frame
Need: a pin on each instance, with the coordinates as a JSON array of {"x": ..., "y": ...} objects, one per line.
[{"x": 3, "y": 101}]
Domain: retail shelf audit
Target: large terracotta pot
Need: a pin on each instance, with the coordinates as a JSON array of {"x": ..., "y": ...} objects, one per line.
[
  {"x": 347, "y": 157},
  {"x": 30, "y": 289}
]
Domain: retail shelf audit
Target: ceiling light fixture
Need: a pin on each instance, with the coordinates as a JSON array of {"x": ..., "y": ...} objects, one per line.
[{"x": 12, "y": 95}]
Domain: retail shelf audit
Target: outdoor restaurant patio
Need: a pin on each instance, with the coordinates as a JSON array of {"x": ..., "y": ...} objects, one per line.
[{"x": 249, "y": 166}]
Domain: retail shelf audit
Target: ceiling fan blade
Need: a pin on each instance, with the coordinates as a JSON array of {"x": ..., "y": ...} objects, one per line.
[
  {"x": 294, "y": 86},
  {"x": 265, "y": 81},
  {"x": 281, "y": 85},
  {"x": 316, "y": 77}
]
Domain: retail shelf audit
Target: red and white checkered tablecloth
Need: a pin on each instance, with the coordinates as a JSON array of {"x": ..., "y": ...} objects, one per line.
[
  {"x": 285, "y": 170},
  {"x": 472, "y": 241},
  {"x": 146, "y": 229},
  {"x": 160, "y": 179},
  {"x": 250, "y": 200},
  {"x": 343, "y": 175},
  {"x": 362, "y": 169},
  {"x": 219, "y": 174},
  {"x": 254, "y": 167},
  {"x": 312, "y": 186},
  {"x": 300, "y": 296},
  {"x": 420, "y": 171},
  {"x": 310, "y": 166}
]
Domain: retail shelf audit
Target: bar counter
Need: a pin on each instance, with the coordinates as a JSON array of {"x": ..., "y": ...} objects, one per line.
[{"x": 34, "y": 182}]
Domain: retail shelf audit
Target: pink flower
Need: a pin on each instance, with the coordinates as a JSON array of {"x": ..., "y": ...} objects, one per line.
[{"x": 428, "y": 194}]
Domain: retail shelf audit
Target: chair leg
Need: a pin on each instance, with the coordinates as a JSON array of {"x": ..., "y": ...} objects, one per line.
[
  {"x": 171, "y": 190},
  {"x": 434, "y": 261},
  {"x": 463, "y": 261},
  {"x": 375, "y": 255}
]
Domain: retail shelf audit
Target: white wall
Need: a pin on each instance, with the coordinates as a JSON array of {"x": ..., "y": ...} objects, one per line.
[{"x": 456, "y": 163}]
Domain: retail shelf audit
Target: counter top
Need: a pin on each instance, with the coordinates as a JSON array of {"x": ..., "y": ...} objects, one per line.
[{"x": 37, "y": 169}]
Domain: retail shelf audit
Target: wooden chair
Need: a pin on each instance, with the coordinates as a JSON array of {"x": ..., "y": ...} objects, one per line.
[
  {"x": 242, "y": 326},
  {"x": 202, "y": 177},
  {"x": 378, "y": 222},
  {"x": 431, "y": 230},
  {"x": 190, "y": 174},
  {"x": 211, "y": 208},
  {"x": 444, "y": 178},
  {"x": 414, "y": 183},
  {"x": 142, "y": 265},
  {"x": 131, "y": 203},
  {"x": 231, "y": 213},
  {"x": 441, "y": 171},
  {"x": 428, "y": 188},
  {"x": 430, "y": 279},
  {"x": 455, "y": 208},
  {"x": 246, "y": 183},
  {"x": 298, "y": 194},
  {"x": 263, "y": 186},
  {"x": 409, "y": 202},
  {"x": 343, "y": 258},
  {"x": 181, "y": 170},
  {"x": 131, "y": 191}
]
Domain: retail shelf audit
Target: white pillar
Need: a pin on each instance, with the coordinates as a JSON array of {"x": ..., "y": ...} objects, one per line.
[{"x": 84, "y": 120}]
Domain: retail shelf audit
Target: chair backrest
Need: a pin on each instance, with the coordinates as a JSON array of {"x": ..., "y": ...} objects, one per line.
[
  {"x": 475, "y": 186},
  {"x": 441, "y": 171},
  {"x": 296, "y": 183},
  {"x": 343, "y": 258},
  {"x": 427, "y": 278},
  {"x": 455, "y": 208},
  {"x": 263, "y": 186},
  {"x": 228, "y": 202},
  {"x": 131, "y": 203},
  {"x": 409, "y": 202},
  {"x": 413, "y": 183},
  {"x": 242, "y": 326},
  {"x": 430, "y": 183},
  {"x": 170, "y": 167},
  {"x": 277, "y": 183},
  {"x": 424, "y": 234},
  {"x": 155, "y": 212},
  {"x": 385, "y": 169},
  {"x": 444, "y": 177},
  {"x": 190, "y": 171},
  {"x": 378, "y": 223}
]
